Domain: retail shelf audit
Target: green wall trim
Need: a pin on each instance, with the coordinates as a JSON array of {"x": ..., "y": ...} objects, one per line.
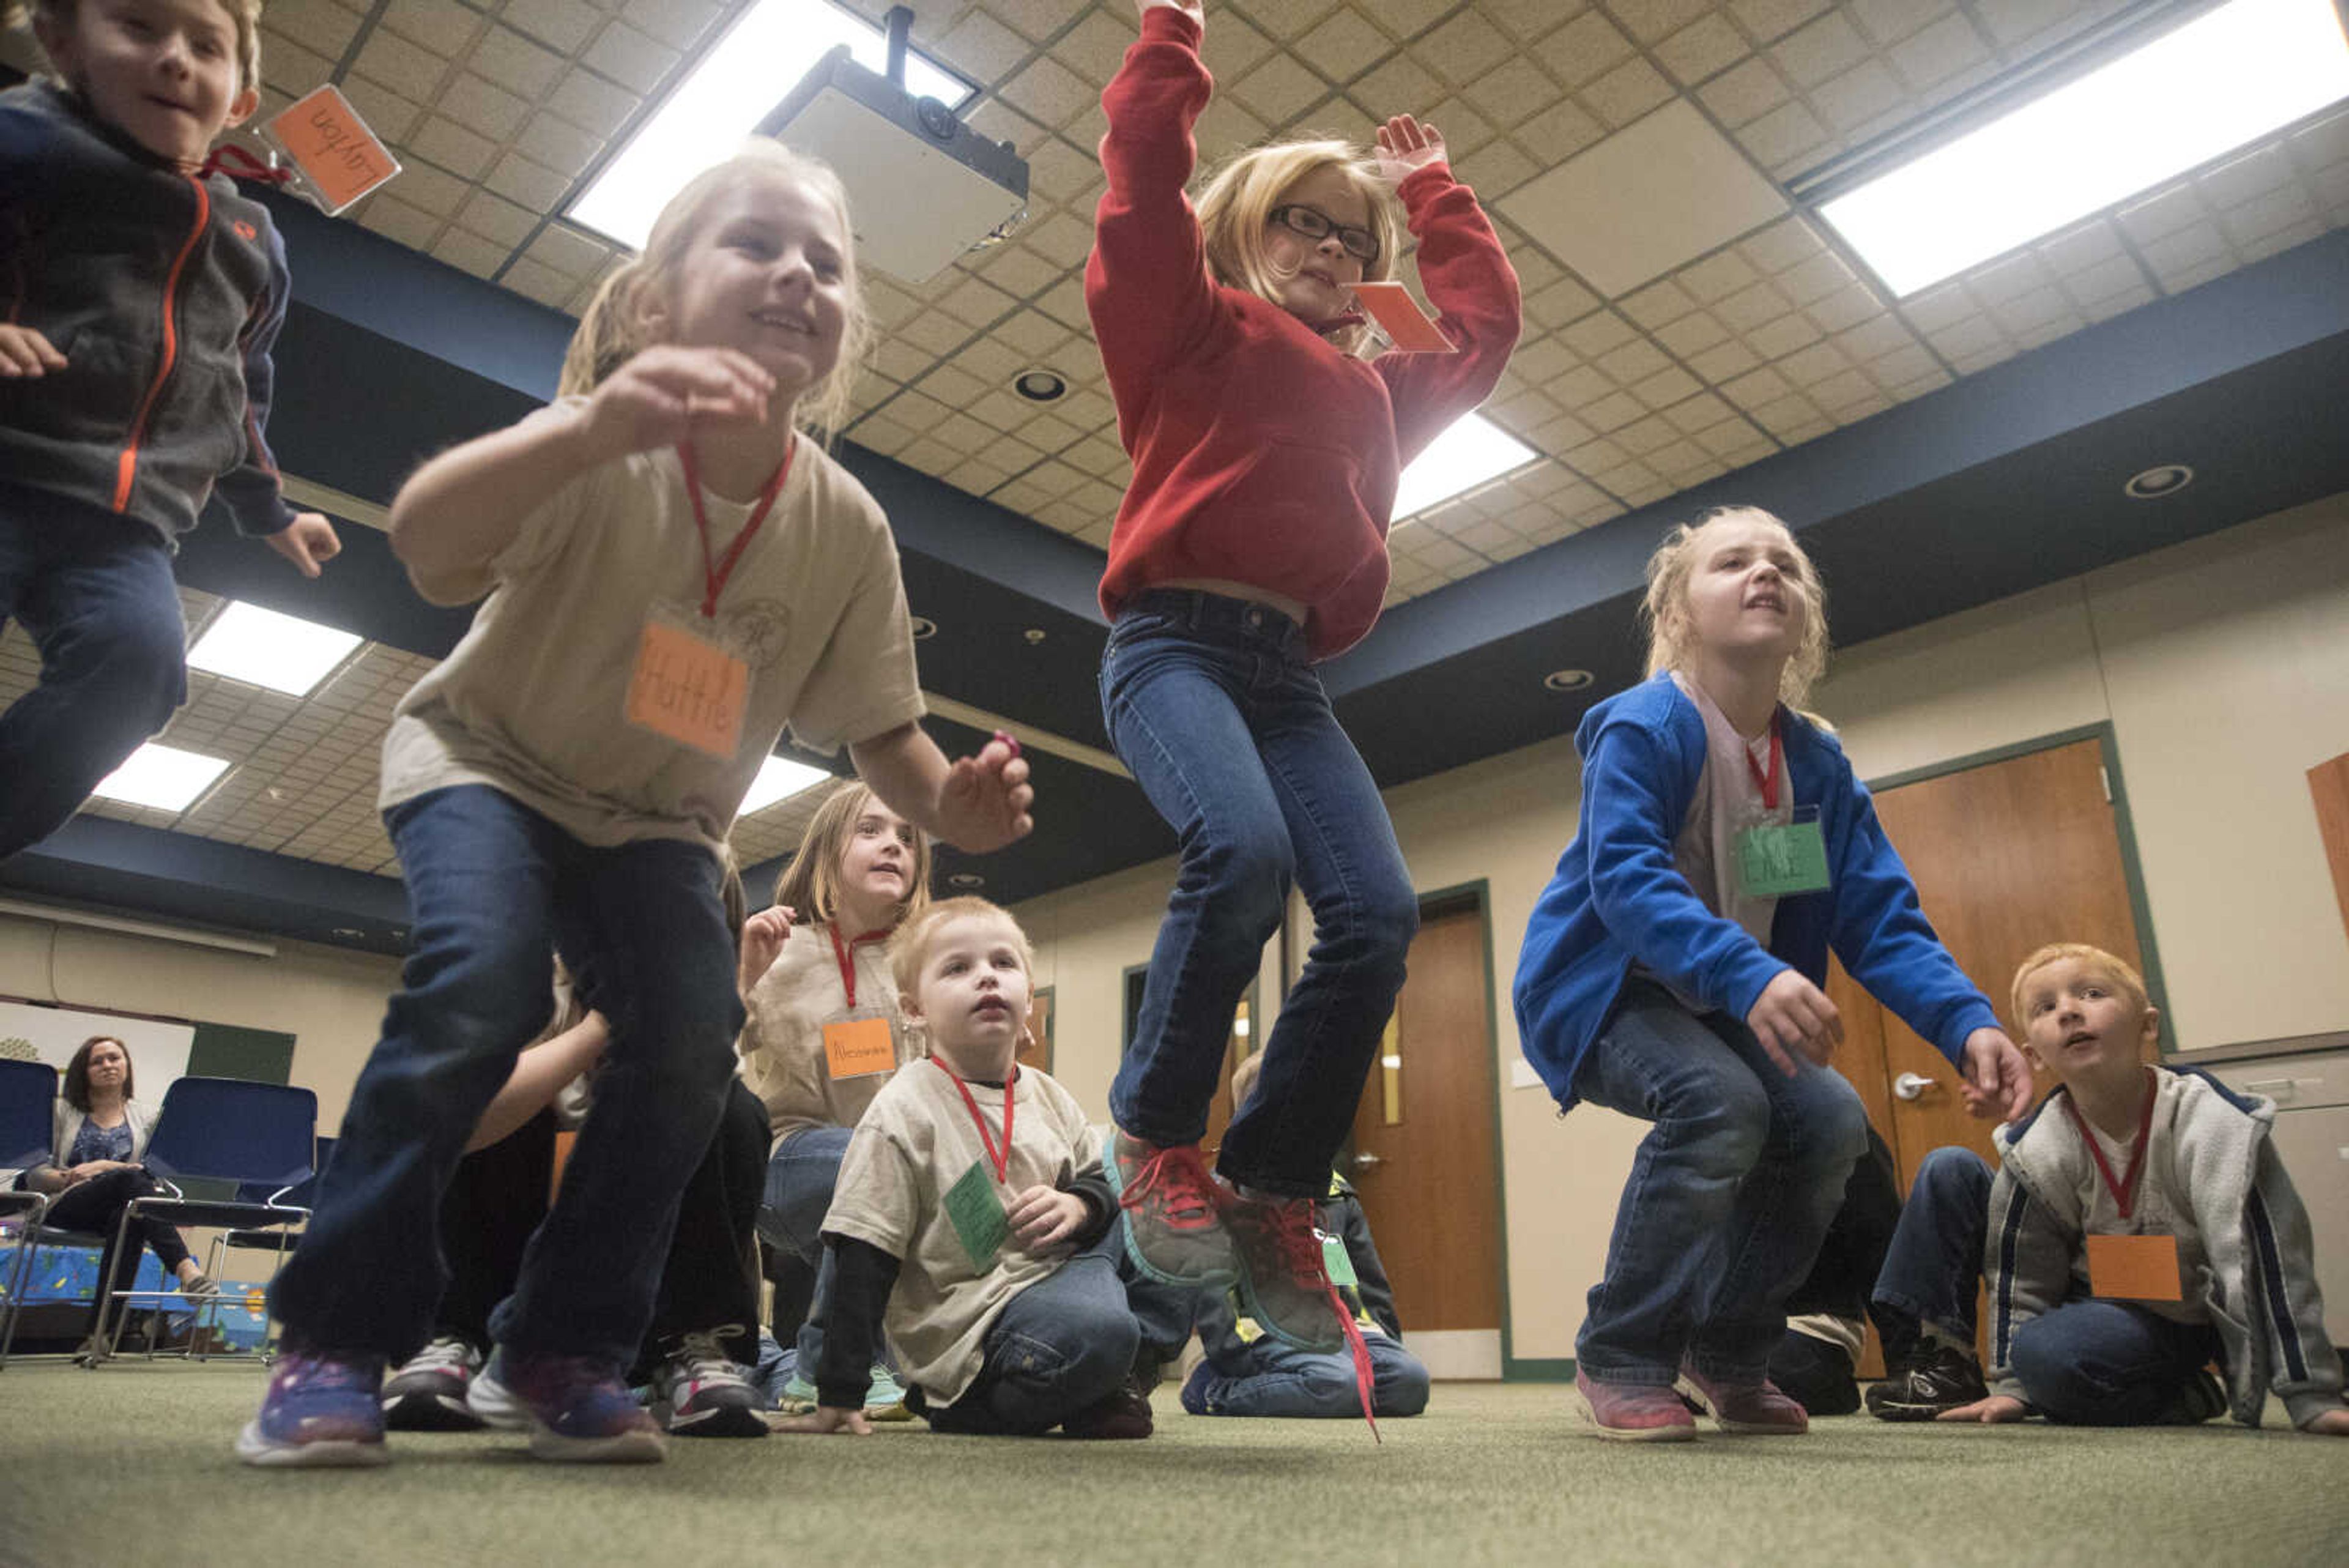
[{"x": 1537, "y": 1369}]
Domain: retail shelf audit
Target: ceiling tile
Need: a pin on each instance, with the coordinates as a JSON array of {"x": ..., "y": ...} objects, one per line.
[{"x": 1584, "y": 49}]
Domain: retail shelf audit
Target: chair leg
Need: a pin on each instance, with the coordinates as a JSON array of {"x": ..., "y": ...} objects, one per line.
[{"x": 20, "y": 1270}]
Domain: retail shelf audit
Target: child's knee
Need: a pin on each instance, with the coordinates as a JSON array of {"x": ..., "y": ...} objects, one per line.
[
  {"x": 2050, "y": 1373},
  {"x": 1953, "y": 1179},
  {"x": 1400, "y": 1387},
  {"x": 1725, "y": 1138}
]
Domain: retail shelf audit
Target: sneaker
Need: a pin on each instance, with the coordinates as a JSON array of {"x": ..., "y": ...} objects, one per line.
[
  {"x": 200, "y": 1287},
  {"x": 1756, "y": 1410},
  {"x": 426, "y": 1392},
  {"x": 577, "y": 1410},
  {"x": 1124, "y": 1413},
  {"x": 1635, "y": 1412},
  {"x": 799, "y": 1397},
  {"x": 699, "y": 1392},
  {"x": 1173, "y": 1212},
  {"x": 2198, "y": 1400},
  {"x": 885, "y": 1400},
  {"x": 1282, "y": 1282},
  {"x": 322, "y": 1409},
  {"x": 1193, "y": 1397},
  {"x": 1947, "y": 1378}
]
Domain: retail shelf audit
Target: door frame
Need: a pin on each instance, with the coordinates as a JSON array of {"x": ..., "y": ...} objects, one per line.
[{"x": 2123, "y": 832}]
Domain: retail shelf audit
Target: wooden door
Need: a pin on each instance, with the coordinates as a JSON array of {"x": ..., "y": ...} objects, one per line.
[
  {"x": 1422, "y": 1153},
  {"x": 2007, "y": 857}
]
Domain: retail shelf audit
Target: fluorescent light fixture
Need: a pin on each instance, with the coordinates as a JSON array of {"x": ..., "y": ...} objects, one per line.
[
  {"x": 780, "y": 778},
  {"x": 164, "y": 777},
  {"x": 2228, "y": 77},
  {"x": 262, "y": 648},
  {"x": 1464, "y": 456},
  {"x": 745, "y": 74}
]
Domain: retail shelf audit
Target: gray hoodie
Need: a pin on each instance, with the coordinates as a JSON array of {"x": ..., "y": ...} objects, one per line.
[{"x": 2257, "y": 1282}]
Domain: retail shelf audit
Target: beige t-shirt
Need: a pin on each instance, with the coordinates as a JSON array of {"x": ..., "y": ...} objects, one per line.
[
  {"x": 915, "y": 1143},
  {"x": 781, "y": 1047},
  {"x": 533, "y": 702}
]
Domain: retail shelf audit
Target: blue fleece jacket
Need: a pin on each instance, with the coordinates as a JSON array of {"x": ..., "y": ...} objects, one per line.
[{"x": 1619, "y": 899}]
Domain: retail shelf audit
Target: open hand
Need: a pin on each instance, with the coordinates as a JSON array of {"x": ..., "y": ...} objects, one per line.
[
  {"x": 826, "y": 1420},
  {"x": 309, "y": 542},
  {"x": 1405, "y": 146},
  {"x": 24, "y": 352},
  {"x": 1044, "y": 1217},
  {"x": 1997, "y": 1081},
  {"x": 1993, "y": 1411},
  {"x": 657, "y": 398},
  {"x": 983, "y": 803},
  {"x": 2333, "y": 1423},
  {"x": 763, "y": 936},
  {"x": 1794, "y": 1015}
]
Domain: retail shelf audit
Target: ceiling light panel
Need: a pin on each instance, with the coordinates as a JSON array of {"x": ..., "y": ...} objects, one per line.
[
  {"x": 163, "y": 777},
  {"x": 262, "y": 648},
  {"x": 778, "y": 779},
  {"x": 1471, "y": 451}
]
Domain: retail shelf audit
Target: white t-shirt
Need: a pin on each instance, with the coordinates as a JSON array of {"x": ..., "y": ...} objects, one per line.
[
  {"x": 533, "y": 702},
  {"x": 915, "y": 1142},
  {"x": 1727, "y": 802}
]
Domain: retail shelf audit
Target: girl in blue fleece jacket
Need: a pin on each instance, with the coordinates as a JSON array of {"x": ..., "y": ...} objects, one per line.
[{"x": 1671, "y": 971}]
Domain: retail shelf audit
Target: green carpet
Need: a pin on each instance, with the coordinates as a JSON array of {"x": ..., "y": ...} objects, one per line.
[{"x": 131, "y": 1465}]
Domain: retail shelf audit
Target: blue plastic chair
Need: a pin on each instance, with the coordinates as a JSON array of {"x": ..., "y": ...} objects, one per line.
[
  {"x": 260, "y": 1137},
  {"x": 28, "y": 1094}
]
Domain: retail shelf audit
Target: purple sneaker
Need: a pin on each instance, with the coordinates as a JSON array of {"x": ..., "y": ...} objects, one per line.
[
  {"x": 577, "y": 1410},
  {"x": 322, "y": 1409},
  {"x": 1635, "y": 1412},
  {"x": 1759, "y": 1409}
]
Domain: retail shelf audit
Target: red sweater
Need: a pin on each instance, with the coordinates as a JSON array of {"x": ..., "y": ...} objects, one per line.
[{"x": 1262, "y": 454}]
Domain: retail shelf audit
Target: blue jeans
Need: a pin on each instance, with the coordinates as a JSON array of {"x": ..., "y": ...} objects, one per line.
[
  {"x": 1065, "y": 1343},
  {"x": 493, "y": 890},
  {"x": 2110, "y": 1363},
  {"x": 801, "y": 1176},
  {"x": 1269, "y": 1378},
  {"x": 95, "y": 591},
  {"x": 1932, "y": 1270},
  {"x": 1729, "y": 1195},
  {"x": 1211, "y": 703}
]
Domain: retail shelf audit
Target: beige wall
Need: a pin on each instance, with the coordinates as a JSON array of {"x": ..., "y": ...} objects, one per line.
[{"x": 2223, "y": 667}]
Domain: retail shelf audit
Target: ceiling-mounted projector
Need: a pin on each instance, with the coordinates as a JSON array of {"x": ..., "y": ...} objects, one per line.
[{"x": 923, "y": 187}]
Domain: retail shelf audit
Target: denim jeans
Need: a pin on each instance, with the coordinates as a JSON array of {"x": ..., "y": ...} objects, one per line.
[
  {"x": 2110, "y": 1363},
  {"x": 1269, "y": 1378},
  {"x": 95, "y": 1206},
  {"x": 1211, "y": 703},
  {"x": 1933, "y": 1271},
  {"x": 493, "y": 890},
  {"x": 95, "y": 592},
  {"x": 1064, "y": 1343},
  {"x": 801, "y": 1175},
  {"x": 1729, "y": 1195}
]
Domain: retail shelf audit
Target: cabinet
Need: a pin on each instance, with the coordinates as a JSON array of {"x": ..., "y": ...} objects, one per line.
[{"x": 2311, "y": 1132}]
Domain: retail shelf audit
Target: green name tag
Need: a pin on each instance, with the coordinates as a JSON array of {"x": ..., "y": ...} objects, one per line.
[
  {"x": 1335, "y": 1262},
  {"x": 976, "y": 1214},
  {"x": 1773, "y": 862}
]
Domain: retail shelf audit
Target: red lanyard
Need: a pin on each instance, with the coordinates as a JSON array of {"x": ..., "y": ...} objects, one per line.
[
  {"x": 714, "y": 576},
  {"x": 2124, "y": 1191},
  {"x": 848, "y": 965},
  {"x": 1001, "y": 1159},
  {"x": 1768, "y": 785}
]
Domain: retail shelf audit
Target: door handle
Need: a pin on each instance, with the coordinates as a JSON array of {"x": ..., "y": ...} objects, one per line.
[
  {"x": 1911, "y": 1086},
  {"x": 1366, "y": 1160}
]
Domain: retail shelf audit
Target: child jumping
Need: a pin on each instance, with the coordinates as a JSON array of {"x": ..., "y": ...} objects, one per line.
[
  {"x": 1251, "y": 545},
  {"x": 567, "y": 776},
  {"x": 2175, "y": 1174},
  {"x": 140, "y": 296},
  {"x": 972, "y": 1202},
  {"x": 1671, "y": 971}
]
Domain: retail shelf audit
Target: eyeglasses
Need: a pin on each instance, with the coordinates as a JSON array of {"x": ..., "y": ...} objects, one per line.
[{"x": 1360, "y": 244}]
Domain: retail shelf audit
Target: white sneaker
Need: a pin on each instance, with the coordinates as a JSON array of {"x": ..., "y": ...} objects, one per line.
[
  {"x": 427, "y": 1392},
  {"x": 700, "y": 1392}
]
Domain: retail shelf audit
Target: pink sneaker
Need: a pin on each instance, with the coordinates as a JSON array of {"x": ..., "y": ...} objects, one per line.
[
  {"x": 1749, "y": 1410},
  {"x": 1635, "y": 1412}
]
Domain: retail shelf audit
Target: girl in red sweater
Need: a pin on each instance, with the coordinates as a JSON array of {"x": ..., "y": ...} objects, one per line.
[{"x": 1252, "y": 544}]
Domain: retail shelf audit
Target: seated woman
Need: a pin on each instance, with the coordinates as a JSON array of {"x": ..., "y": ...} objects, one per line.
[{"x": 101, "y": 1131}]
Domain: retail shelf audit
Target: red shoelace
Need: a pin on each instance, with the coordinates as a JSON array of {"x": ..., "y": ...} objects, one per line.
[
  {"x": 1298, "y": 1247},
  {"x": 1177, "y": 1180}
]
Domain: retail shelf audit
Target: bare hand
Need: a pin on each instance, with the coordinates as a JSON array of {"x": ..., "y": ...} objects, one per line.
[
  {"x": 2333, "y": 1423},
  {"x": 1993, "y": 1411},
  {"x": 983, "y": 803},
  {"x": 1997, "y": 1080},
  {"x": 24, "y": 352},
  {"x": 763, "y": 936},
  {"x": 1194, "y": 9},
  {"x": 1792, "y": 1014},
  {"x": 309, "y": 542},
  {"x": 1044, "y": 1217},
  {"x": 1405, "y": 146},
  {"x": 826, "y": 1420},
  {"x": 659, "y": 396}
]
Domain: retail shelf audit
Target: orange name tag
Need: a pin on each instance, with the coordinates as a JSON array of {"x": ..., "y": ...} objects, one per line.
[
  {"x": 1398, "y": 315},
  {"x": 2135, "y": 1268},
  {"x": 857, "y": 1048},
  {"x": 691, "y": 690},
  {"x": 335, "y": 151}
]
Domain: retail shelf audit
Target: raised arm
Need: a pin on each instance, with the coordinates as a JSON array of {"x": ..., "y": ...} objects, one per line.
[{"x": 975, "y": 804}]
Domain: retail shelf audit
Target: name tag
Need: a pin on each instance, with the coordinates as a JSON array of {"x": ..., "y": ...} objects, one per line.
[
  {"x": 1774, "y": 861},
  {"x": 688, "y": 689},
  {"x": 2135, "y": 1268},
  {"x": 858, "y": 1047},
  {"x": 1336, "y": 1261},
  {"x": 976, "y": 1214}
]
